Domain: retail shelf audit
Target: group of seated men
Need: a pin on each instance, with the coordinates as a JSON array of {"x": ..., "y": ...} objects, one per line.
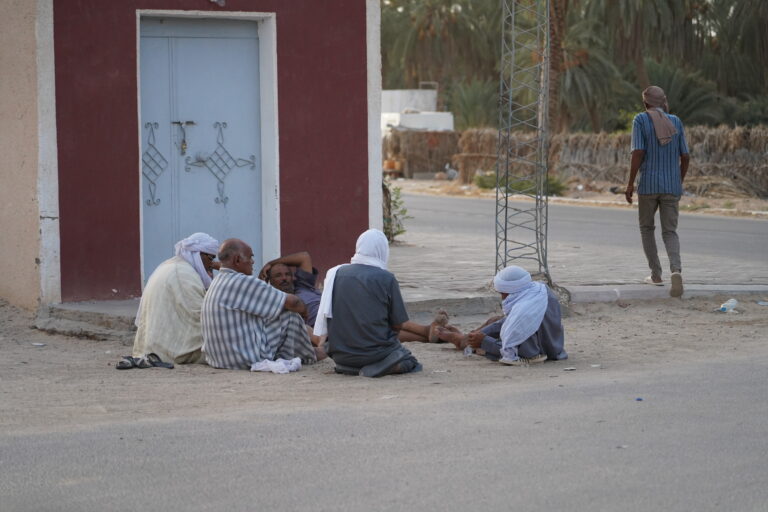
[{"x": 236, "y": 320}]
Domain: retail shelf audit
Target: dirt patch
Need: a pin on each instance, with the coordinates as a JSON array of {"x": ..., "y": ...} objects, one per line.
[{"x": 52, "y": 383}]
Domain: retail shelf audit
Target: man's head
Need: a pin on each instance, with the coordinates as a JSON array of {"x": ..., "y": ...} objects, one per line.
[
  {"x": 207, "y": 260},
  {"x": 280, "y": 276},
  {"x": 654, "y": 97},
  {"x": 236, "y": 255},
  {"x": 510, "y": 280}
]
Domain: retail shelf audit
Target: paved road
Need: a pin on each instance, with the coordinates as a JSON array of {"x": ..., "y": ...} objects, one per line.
[
  {"x": 587, "y": 245},
  {"x": 579, "y": 442}
]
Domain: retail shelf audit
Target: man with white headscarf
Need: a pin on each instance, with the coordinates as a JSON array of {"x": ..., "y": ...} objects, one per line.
[
  {"x": 660, "y": 155},
  {"x": 531, "y": 330},
  {"x": 168, "y": 321},
  {"x": 361, "y": 310}
]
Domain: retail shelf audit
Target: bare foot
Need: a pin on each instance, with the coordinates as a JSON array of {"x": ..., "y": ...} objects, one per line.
[
  {"x": 441, "y": 320},
  {"x": 458, "y": 339}
]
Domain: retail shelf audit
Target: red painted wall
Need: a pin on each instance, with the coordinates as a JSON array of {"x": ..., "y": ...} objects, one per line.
[{"x": 322, "y": 94}]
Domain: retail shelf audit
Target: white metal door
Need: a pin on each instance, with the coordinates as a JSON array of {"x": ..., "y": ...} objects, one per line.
[{"x": 200, "y": 133}]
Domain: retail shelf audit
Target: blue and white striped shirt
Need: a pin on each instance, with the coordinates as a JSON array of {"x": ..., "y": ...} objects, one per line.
[
  {"x": 240, "y": 320},
  {"x": 660, "y": 170}
]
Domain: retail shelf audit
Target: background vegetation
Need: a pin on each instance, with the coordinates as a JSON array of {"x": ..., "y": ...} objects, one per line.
[{"x": 710, "y": 56}]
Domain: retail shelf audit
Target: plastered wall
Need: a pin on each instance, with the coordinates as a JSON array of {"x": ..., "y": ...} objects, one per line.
[{"x": 19, "y": 211}]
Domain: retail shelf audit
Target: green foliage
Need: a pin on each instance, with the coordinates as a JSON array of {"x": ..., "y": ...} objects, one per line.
[
  {"x": 555, "y": 187},
  {"x": 395, "y": 212},
  {"x": 474, "y": 104},
  {"x": 710, "y": 56},
  {"x": 690, "y": 97}
]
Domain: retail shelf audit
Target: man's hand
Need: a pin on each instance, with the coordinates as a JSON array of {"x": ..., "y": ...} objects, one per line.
[
  {"x": 475, "y": 338},
  {"x": 628, "y": 193},
  {"x": 264, "y": 270},
  {"x": 295, "y": 304}
]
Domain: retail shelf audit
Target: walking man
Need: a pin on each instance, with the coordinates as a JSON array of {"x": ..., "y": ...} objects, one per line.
[{"x": 660, "y": 155}]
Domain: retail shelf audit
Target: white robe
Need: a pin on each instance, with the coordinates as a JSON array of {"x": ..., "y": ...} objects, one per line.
[{"x": 168, "y": 321}]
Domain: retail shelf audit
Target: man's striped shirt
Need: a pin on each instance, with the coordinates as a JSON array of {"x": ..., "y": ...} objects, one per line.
[
  {"x": 660, "y": 170},
  {"x": 240, "y": 320}
]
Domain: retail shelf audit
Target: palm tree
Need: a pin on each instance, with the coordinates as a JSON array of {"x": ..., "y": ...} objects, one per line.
[{"x": 640, "y": 27}]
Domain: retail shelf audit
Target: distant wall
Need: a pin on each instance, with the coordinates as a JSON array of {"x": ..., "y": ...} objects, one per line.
[{"x": 396, "y": 100}]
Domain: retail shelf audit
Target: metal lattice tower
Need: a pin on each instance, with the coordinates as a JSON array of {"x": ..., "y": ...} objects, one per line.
[{"x": 521, "y": 167}]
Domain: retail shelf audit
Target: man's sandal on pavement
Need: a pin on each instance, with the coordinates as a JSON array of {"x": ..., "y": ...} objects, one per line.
[
  {"x": 649, "y": 280},
  {"x": 677, "y": 284}
]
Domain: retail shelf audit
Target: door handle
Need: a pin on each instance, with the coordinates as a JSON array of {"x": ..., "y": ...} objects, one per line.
[{"x": 181, "y": 125}]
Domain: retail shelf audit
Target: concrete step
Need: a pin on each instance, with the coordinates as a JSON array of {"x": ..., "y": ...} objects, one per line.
[{"x": 99, "y": 320}]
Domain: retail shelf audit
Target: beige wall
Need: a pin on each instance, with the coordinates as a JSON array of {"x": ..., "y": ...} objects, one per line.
[{"x": 19, "y": 209}]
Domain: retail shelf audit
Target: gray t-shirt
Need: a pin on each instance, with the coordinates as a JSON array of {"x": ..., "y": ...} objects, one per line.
[{"x": 366, "y": 303}]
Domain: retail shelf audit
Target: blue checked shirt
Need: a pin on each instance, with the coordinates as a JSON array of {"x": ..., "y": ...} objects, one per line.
[{"x": 660, "y": 170}]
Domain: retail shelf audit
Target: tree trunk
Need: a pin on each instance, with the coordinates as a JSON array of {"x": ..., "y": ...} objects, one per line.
[
  {"x": 557, "y": 12},
  {"x": 641, "y": 72}
]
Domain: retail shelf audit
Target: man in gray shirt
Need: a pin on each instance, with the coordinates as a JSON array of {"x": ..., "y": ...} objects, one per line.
[{"x": 362, "y": 312}]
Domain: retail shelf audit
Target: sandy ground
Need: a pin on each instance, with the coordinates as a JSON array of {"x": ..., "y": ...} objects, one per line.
[
  {"x": 51, "y": 383},
  {"x": 595, "y": 194}
]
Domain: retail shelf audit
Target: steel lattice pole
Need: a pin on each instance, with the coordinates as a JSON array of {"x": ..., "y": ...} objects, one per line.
[{"x": 521, "y": 167}]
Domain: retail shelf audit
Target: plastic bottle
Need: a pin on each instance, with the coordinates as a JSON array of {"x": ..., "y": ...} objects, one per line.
[
  {"x": 468, "y": 350},
  {"x": 729, "y": 306}
]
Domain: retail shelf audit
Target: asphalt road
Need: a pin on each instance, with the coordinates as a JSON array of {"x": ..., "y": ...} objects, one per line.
[
  {"x": 581, "y": 442},
  {"x": 588, "y": 245}
]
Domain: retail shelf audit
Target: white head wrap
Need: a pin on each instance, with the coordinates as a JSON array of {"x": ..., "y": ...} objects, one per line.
[
  {"x": 524, "y": 307},
  {"x": 372, "y": 249},
  {"x": 190, "y": 248}
]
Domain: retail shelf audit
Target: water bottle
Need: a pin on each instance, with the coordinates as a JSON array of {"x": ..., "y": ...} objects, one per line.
[
  {"x": 468, "y": 351},
  {"x": 728, "y": 306}
]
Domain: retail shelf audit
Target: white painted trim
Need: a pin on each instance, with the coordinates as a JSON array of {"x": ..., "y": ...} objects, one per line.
[
  {"x": 270, "y": 134},
  {"x": 47, "y": 158},
  {"x": 373, "y": 44}
]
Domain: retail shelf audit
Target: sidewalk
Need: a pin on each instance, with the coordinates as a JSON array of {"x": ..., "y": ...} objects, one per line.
[{"x": 435, "y": 270}]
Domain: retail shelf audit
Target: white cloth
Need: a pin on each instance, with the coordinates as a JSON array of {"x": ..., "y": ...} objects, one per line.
[
  {"x": 168, "y": 321},
  {"x": 190, "y": 249},
  {"x": 372, "y": 248},
  {"x": 524, "y": 307},
  {"x": 277, "y": 366}
]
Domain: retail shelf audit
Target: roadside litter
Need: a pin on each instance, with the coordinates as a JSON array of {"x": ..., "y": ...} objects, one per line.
[{"x": 728, "y": 306}]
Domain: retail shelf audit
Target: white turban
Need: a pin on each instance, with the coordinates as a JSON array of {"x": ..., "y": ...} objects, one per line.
[
  {"x": 524, "y": 307},
  {"x": 190, "y": 248},
  {"x": 372, "y": 249}
]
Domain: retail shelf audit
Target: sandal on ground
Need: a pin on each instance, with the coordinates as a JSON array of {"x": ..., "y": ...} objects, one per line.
[
  {"x": 154, "y": 360},
  {"x": 128, "y": 362},
  {"x": 649, "y": 280}
]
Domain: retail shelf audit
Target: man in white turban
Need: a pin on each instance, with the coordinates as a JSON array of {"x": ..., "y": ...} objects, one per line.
[
  {"x": 531, "y": 330},
  {"x": 168, "y": 321},
  {"x": 362, "y": 311}
]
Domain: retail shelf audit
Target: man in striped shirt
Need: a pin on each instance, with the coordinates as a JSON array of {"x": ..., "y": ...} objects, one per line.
[
  {"x": 245, "y": 320},
  {"x": 660, "y": 155}
]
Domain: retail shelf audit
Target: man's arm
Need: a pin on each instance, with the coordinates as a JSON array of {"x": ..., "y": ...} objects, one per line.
[
  {"x": 295, "y": 304},
  {"x": 685, "y": 158},
  {"x": 396, "y": 327},
  {"x": 637, "y": 160},
  {"x": 298, "y": 259}
]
